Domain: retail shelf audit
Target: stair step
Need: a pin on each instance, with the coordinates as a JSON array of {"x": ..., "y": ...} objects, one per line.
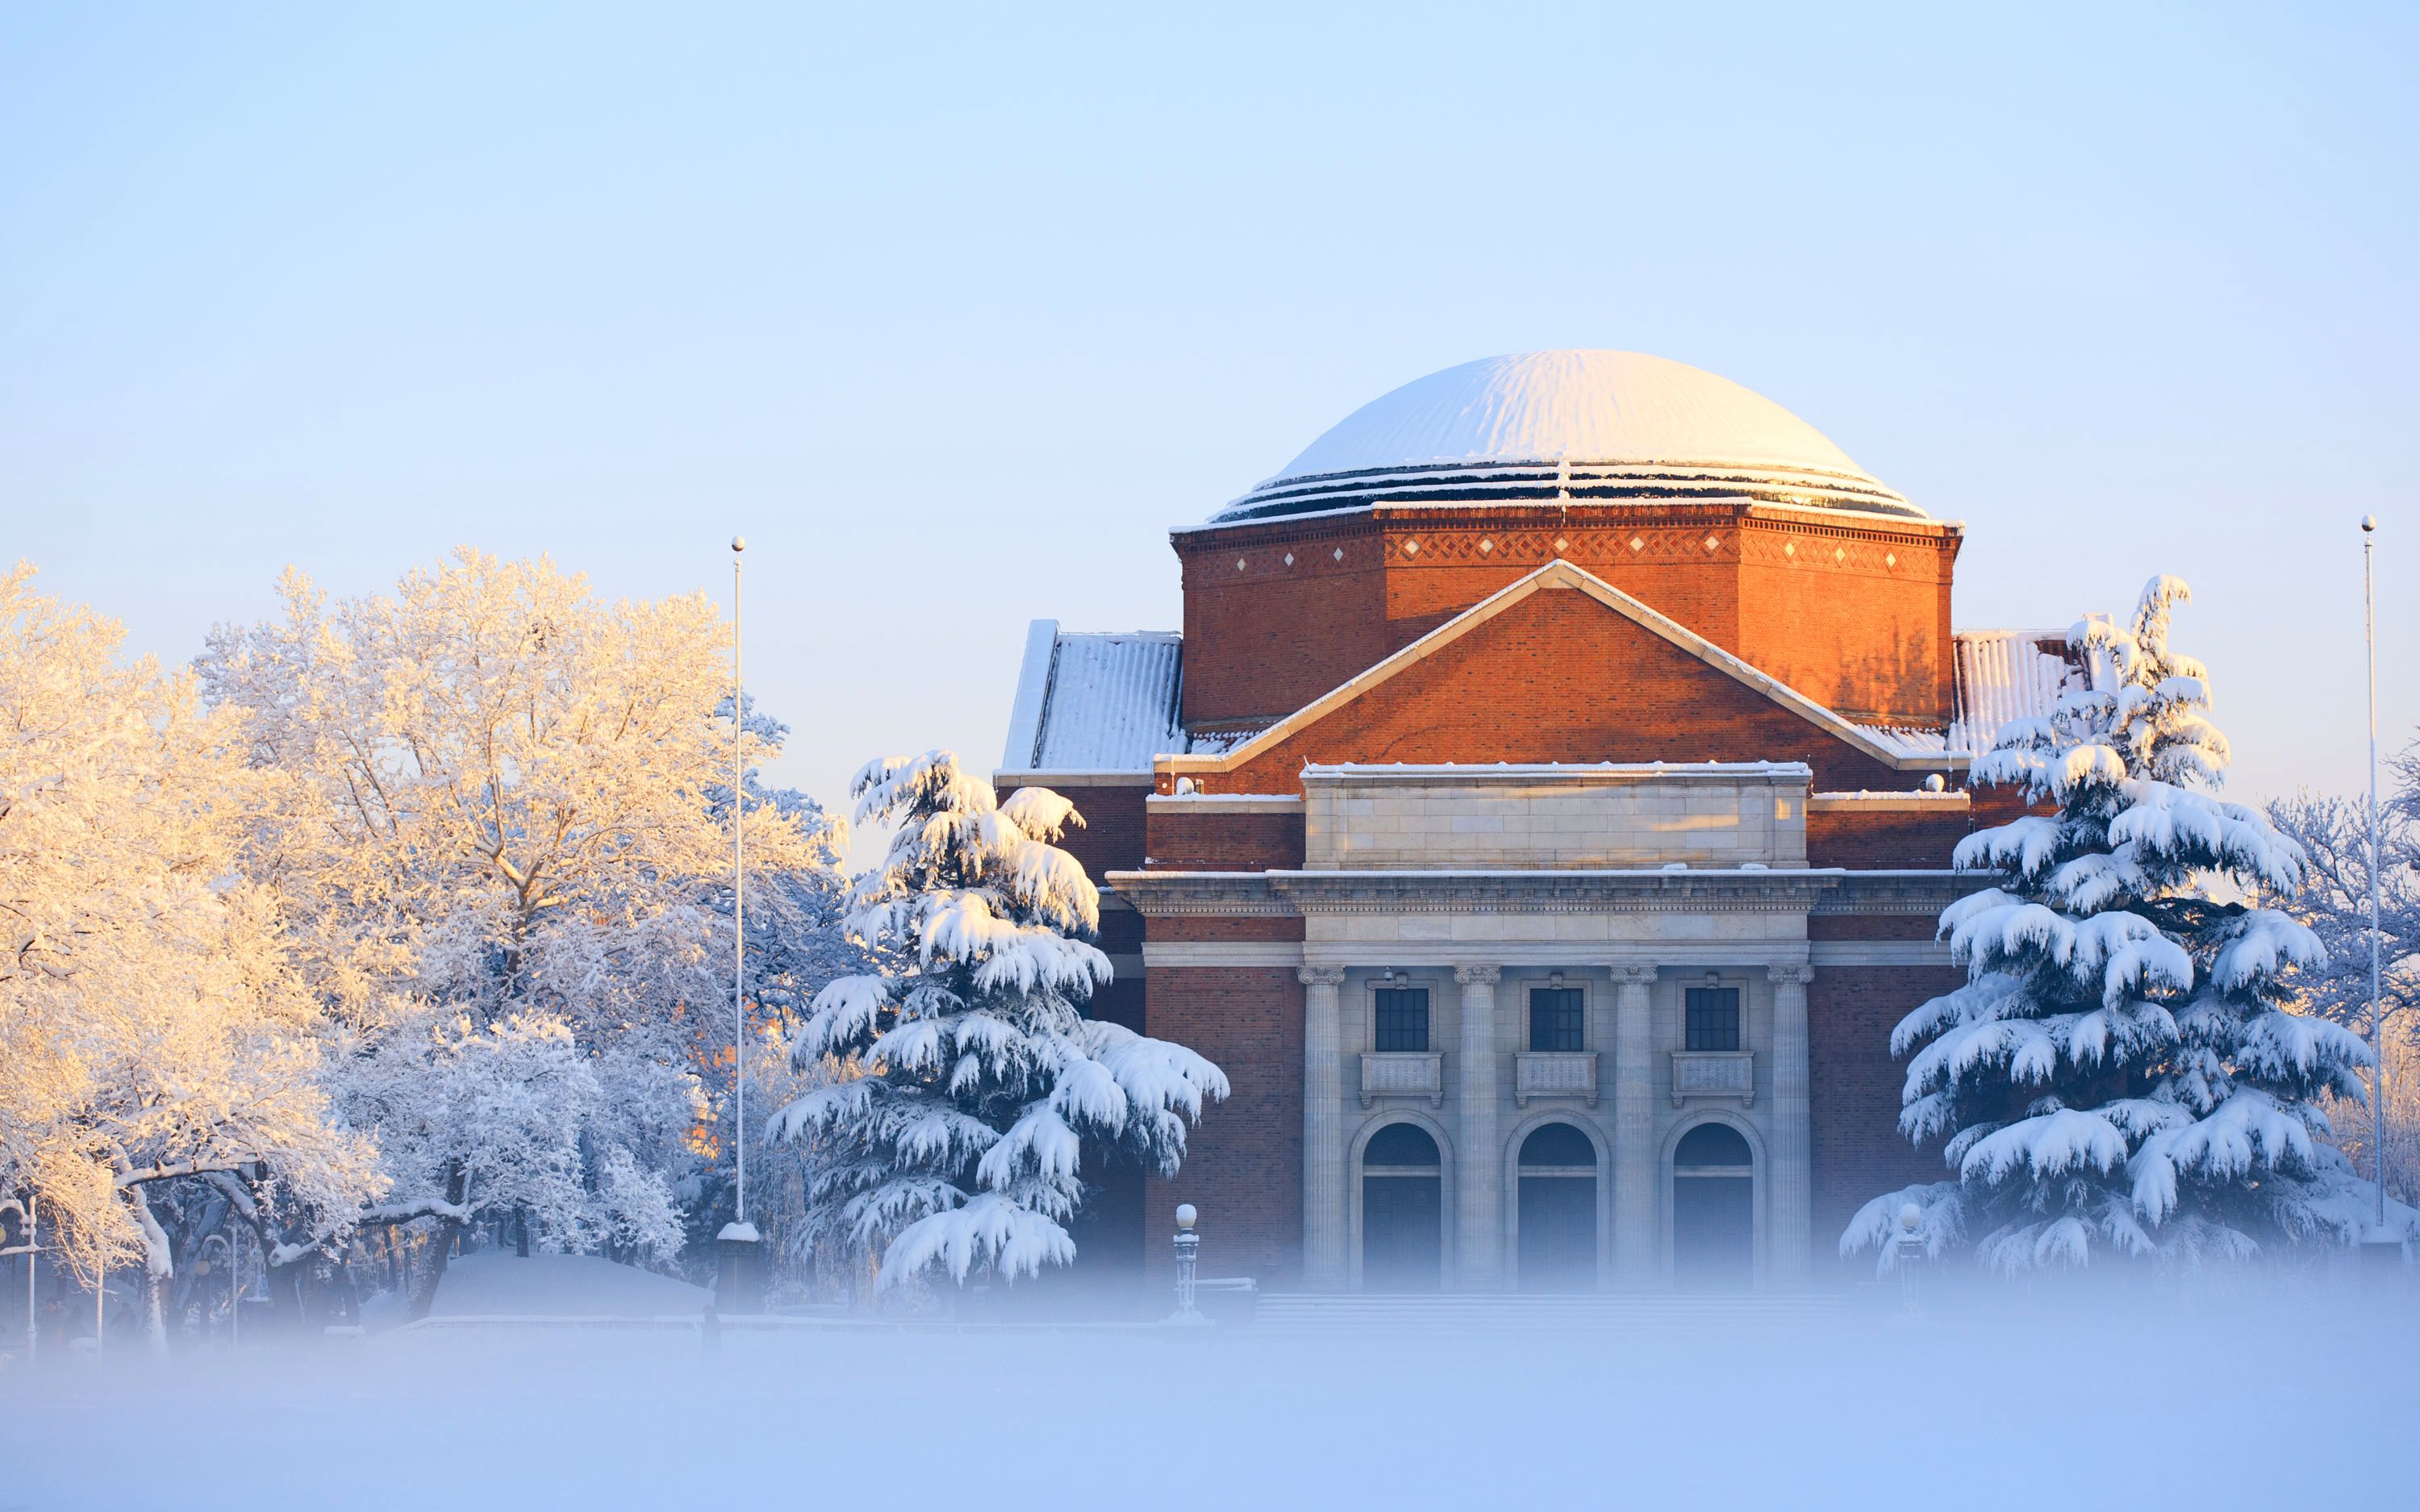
[{"x": 1356, "y": 1313}]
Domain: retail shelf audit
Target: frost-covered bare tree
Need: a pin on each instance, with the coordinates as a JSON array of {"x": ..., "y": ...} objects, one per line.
[
  {"x": 501, "y": 823},
  {"x": 2334, "y": 902},
  {"x": 957, "y": 1146},
  {"x": 153, "y": 1030}
]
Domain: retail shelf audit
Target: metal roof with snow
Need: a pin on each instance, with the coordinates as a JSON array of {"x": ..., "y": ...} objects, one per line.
[{"x": 1108, "y": 703}]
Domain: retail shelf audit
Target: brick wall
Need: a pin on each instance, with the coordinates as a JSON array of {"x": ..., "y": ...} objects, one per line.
[
  {"x": 1111, "y": 837},
  {"x": 1871, "y": 926},
  {"x": 1243, "y": 1165},
  {"x": 1858, "y": 1152},
  {"x": 1211, "y": 927},
  {"x": 1264, "y": 640},
  {"x": 1854, "y": 611},
  {"x": 1887, "y": 840},
  {"x": 1205, "y": 840},
  {"x": 1559, "y": 677}
]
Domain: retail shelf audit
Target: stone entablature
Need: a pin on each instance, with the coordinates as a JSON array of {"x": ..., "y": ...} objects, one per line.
[{"x": 1720, "y": 815}]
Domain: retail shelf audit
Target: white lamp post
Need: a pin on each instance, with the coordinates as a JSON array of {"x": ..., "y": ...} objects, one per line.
[
  {"x": 1910, "y": 1251},
  {"x": 1188, "y": 1245}
]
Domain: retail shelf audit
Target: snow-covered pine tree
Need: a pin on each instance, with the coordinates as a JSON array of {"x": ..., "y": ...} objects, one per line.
[
  {"x": 2120, "y": 1075},
  {"x": 959, "y": 1144}
]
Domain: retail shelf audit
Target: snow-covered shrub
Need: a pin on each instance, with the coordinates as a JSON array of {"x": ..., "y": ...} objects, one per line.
[
  {"x": 957, "y": 1146},
  {"x": 2121, "y": 1074}
]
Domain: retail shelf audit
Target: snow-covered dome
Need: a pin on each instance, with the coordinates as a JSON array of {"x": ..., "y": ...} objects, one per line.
[{"x": 1583, "y": 425}]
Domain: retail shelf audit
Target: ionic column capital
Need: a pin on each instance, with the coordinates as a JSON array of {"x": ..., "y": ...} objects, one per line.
[
  {"x": 1320, "y": 976},
  {"x": 1797, "y": 972},
  {"x": 1635, "y": 976},
  {"x": 1479, "y": 976}
]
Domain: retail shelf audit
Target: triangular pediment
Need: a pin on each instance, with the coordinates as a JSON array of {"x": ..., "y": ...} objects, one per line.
[{"x": 1503, "y": 657}]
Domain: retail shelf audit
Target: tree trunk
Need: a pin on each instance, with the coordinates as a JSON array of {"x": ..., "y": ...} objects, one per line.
[
  {"x": 521, "y": 1232},
  {"x": 159, "y": 1270},
  {"x": 425, "y": 1280}
]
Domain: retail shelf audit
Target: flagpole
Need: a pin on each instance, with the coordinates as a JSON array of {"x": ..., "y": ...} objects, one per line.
[
  {"x": 738, "y": 895},
  {"x": 2377, "y": 1039}
]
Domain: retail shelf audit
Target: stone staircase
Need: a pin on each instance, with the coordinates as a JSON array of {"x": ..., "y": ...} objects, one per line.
[{"x": 1314, "y": 1314}]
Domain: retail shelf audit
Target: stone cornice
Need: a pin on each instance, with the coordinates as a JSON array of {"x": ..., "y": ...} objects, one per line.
[
  {"x": 1286, "y": 894},
  {"x": 1193, "y": 894},
  {"x": 1901, "y": 892},
  {"x": 1552, "y": 892}
]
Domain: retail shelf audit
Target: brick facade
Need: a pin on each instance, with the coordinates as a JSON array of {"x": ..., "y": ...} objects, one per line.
[
  {"x": 1854, "y": 1085},
  {"x": 1244, "y": 1161},
  {"x": 1560, "y": 677},
  {"x": 1204, "y": 839},
  {"x": 1851, "y": 612}
]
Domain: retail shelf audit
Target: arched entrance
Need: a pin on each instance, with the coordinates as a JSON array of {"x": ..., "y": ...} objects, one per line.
[
  {"x": 1713, "y": 1208},
  {"x": 1558, "y": 1212},
  {"x": 1403, "y": 1210}
]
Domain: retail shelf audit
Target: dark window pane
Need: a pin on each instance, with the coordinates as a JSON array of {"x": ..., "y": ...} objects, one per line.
[
  {"x": 1714, "y": 1018},
  {"x": 1555, "y": 1019},
  {"x": 1403, "y": 1232},
  {"x": 1557, "y": 1144},
  {"x": 1402, "y": 1018},
  {"x": 1712, "y": 1144},
  {"x": 1400, "y": 1144}
]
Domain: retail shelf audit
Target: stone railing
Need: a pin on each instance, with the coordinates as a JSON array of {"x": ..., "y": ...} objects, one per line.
[
  {"x": 1403, "y": 1073},
  {"x": 1713, "y": 1073},
  {"x": 1554, "y": 1073}
]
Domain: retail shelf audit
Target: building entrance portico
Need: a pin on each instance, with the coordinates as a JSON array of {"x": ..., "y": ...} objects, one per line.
[{"x": 1563, "y": 1023}]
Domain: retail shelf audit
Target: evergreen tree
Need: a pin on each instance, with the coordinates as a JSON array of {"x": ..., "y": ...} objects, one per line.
[
  {"x": 972, "y": 1078},
  {"x": 2120, "y": 1074}
]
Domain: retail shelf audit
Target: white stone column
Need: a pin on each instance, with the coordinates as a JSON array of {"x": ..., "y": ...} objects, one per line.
[
  {"x": 1790, "y": 1192},
  {"x": 1478, "y": 1163},
  {"x": 1323, "y": 1128},
  {"x": 1638, "y": 1237}
]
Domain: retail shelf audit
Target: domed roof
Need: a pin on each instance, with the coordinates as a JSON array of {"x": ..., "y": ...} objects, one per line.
[{"x": 1582, "y": 424}]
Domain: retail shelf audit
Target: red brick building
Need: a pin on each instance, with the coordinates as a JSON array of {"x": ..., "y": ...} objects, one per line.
[{"x": 1542, "y": 818}]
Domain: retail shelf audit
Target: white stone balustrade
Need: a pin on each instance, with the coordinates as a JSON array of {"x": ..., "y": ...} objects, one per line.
[
  {"x": 1554, "y": 1073},
  {"x": 1403, "y": 1073},
  {"x": 1713, "y": 1073}
]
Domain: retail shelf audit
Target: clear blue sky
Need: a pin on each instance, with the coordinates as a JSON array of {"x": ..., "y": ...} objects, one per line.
[{"x": 955, "y": 313}]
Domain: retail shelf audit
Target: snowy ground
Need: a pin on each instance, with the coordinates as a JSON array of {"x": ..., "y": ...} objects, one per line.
[
  {"x": 494, "y": 1283},
  {"x": 2129, "y": 1407}
]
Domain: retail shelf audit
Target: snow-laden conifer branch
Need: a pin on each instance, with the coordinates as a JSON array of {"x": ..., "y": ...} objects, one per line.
[
  {"x": 959, "y": 1145},
  {"x": 2121, "y": 1074}
]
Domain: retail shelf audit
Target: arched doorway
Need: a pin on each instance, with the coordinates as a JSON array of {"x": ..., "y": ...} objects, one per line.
[
  {"x": 1403, "y": 1210},
  {"x": 1713, "y": 1208},
  {"x": 1558, "y": 1209}
]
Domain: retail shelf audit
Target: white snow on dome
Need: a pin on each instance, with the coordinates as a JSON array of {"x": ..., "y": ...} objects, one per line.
[
  {"x": 1572, "y": 424},
  {"x": 1586, "y": 406}
]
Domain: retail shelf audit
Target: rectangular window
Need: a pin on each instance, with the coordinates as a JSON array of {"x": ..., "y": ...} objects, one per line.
[
  {"x": 1714, "y": 1018},
  {"x": 1402, "y": 1018},
  {"x": 1555, "y": 1019}
]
